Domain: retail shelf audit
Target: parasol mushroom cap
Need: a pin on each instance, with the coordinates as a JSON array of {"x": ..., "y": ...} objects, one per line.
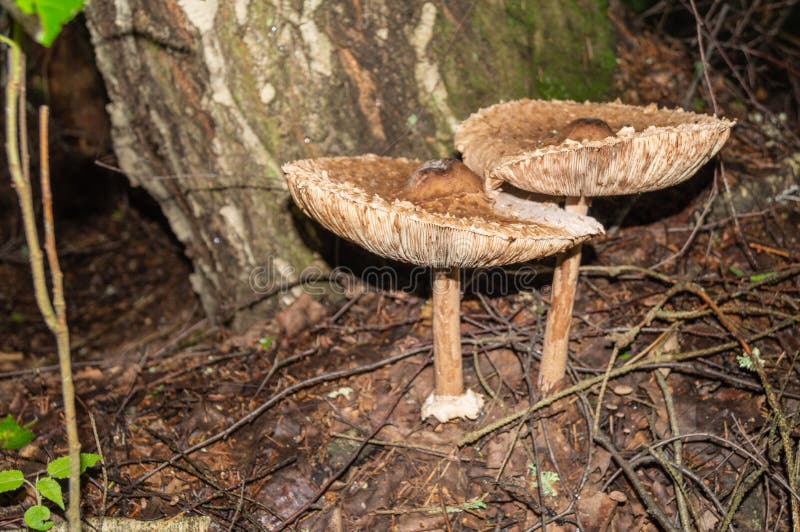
[
  {"x": 363, "y": 199},
  {"x": 525, "y": 143}
]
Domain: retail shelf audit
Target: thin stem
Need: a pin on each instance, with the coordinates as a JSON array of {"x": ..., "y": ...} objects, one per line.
[
  {"x": 62, "y": 331},
  {"x": 23, "y": 189},
  {"x": 556, "y": 334},
  {"x": 35, "y": 491},
  {"x": 53, "y": 312}
]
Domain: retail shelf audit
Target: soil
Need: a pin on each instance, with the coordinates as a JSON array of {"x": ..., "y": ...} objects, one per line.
[{"x": 309, "y": 420}]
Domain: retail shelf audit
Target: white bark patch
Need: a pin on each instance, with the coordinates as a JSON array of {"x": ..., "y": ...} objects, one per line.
[
  {"x": 221, "y": 94},
  {"x": 267, "y": 93},
  {"x": 125, "y": 143},
  {"x": 235, "y": 221},
  {"x": 215, "y": 62},
  {"x": 426, "y": 72},
  {"x": 240, "y": 8},
  {"x": 201, "y": 13},
  {"x": 122, "y": 14},
  {"x": 424, "y": 31},
  {"x": 318, "y": 46}
]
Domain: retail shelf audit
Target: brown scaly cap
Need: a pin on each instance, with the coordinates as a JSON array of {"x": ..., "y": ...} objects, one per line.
[
  {"x": 361, "y": 199},
  {"x": 525, "y": 143}
]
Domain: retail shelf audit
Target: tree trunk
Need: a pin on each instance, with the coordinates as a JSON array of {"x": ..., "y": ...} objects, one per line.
[{"x": 209, "y": 98}]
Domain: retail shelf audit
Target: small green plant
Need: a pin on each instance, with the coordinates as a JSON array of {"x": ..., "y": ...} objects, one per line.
[
  {"x": 264, "y": 342},
  {"x": 475, "y": 504},
  {"x": 548, "y": 479},
  {"x": 37, "y": 516},
  {"x": 746, "y": 361},
  {"x": 758, "y": 277},
  {"x": 735, "y": 271},
  {"x": 14, "y": 436}
]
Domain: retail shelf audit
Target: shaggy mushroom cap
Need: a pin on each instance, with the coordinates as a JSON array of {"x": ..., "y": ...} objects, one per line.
[
  {"x": 564, "y": 148},
  {"x": 399, "y": 209}
]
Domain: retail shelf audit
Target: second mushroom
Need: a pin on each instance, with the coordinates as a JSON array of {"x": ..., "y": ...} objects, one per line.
[
  {"x": 438, "y": 215},
  {"x": 578, "y": 151}
]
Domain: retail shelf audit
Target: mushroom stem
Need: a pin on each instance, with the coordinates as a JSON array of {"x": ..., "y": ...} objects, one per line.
[
  {"x": 447, "y": 332},
  {"x": 556, "y": 334},
  {"x": 449, "y": 400}
]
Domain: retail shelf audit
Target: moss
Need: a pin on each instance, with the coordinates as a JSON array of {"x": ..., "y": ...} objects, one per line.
[
  {"x": 243, "y": 84},
  {"x": 573, "y": 50},
  {"x": 470, "y": 80},
  {"x": 539, "y": 48}
]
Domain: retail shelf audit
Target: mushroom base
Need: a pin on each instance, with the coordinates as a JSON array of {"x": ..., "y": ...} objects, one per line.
[{"x": 447, "y": 407}]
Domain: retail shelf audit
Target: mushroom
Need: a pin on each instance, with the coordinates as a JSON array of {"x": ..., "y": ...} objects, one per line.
[
  {"x": 569, "y": 149},
  {"x": 435, "y": 214}
]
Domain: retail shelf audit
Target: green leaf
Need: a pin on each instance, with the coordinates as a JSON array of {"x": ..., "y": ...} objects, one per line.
[
  {"x": 89, "y": 460},
  {"x": 12, "y": 436},
  {"x": 761, "y": 277},
  {"x": 26, "y": 6},
  {"x": 11, "y": 480},
  {"x": 38, "y": 517},
  {"x": 53, "y": 14},
  {"x": 50, "y": 490},
  {"x": 735, "y": 271},
  {"x": 59, "y": 468}
]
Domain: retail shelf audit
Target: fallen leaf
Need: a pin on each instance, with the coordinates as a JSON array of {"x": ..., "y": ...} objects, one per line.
[{"x": 595, "y": 510}]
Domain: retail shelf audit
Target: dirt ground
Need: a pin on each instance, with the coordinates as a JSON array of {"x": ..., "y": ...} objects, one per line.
[{"x": 310, "y": 420}]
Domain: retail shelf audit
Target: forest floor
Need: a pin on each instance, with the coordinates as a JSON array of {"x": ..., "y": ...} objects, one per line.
[{"x": 310, "y": 418}]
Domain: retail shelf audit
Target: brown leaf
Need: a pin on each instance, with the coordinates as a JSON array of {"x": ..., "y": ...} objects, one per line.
[
  {"x": 503, "y": 362},
  {"x": 595, "y": 510}
]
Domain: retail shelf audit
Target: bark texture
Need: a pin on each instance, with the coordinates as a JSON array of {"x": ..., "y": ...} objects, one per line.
[{"x": 209, "y": 98}]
